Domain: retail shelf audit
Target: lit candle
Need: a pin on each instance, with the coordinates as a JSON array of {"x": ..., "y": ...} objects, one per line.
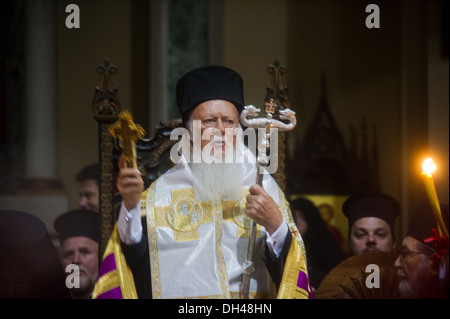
[{"x": 428, "y": 167}]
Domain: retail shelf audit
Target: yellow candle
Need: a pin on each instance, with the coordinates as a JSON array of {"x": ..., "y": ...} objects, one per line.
[{"x": 427, "y": 168}]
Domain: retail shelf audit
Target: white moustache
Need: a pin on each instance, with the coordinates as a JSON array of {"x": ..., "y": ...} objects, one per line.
[
  {"x": 221, "y": 141},
  {"x": 218, "y": 140}
]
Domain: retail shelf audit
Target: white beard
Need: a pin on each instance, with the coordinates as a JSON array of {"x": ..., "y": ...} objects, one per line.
[
  {"x": 87, "y": 283},
  {"x": 222, "y": 178},
  {"x": 420, "y": 286},
  {"x": 217, "y": 181},
  {"x": 407, "y": 290}
]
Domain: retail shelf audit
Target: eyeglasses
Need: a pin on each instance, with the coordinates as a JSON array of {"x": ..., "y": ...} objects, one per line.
[{"x": 405, "y": 253}]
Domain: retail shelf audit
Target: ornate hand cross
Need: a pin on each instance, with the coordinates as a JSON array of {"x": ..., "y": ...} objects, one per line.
[
  {"x": 128, "y": 133},
  {"x": 276, "y": 107},
  {"x": 268, "y": 123}
]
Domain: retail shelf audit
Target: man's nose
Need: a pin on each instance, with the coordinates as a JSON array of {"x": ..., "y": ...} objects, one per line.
[
  {"x": 398, "y": 263},
  {"x": 76, "y": 259},
  {"x": 371, "y": 241},
  {"x": 220, "y": 126},
  {"x": 83, "y": 202}
]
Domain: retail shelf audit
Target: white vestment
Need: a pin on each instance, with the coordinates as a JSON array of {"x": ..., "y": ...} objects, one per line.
[{"x": 198, "y": 247}]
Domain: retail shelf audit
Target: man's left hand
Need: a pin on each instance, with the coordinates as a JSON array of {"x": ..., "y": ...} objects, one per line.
[{"x": 262, "y": 209}]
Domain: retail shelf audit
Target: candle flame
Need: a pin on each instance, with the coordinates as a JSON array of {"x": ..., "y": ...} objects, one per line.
[{"x": 428, "y": 166}]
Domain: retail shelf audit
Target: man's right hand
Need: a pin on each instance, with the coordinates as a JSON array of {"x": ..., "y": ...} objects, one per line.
[{"x": 130, "y": 184}]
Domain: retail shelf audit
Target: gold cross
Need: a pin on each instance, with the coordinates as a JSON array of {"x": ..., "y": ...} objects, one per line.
[{"x": 128, "y": 133}]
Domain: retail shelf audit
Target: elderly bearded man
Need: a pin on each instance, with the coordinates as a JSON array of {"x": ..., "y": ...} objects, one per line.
[
  {"x": 423, "y": 261},
  {"x": 194, "y": 240}
]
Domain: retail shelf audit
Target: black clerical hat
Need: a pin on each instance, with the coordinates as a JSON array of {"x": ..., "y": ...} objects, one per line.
[
  {"x": 209, "y": 83},
  {"x": 24, "y": 242},
  {"x": 424, "y": 221},
  {"x": 371, "y": 205},
  {"x": 30, "y": 266},
  {"x": 78, "y": 223}
]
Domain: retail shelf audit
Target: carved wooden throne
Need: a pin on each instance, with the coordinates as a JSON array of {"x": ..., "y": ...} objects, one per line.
[{"x": 153, "y": 154}]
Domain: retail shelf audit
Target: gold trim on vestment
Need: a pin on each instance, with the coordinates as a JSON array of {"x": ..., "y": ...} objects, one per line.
[
  {"x": 295, "y": 260},
  {"x": 121, "y": 277},
  {"x": 286, "y": 212},
  {"x": 107, "y": 282},
  {"x": 223, "y": 273},
  {"x": 153, "y": 244},
  {"x": 294, "y": 264}
]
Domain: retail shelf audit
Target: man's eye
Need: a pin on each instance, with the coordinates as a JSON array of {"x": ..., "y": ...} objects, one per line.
[
  {"x": 84, "y": 251},
  {"x": 208, "y": 121},
  {"x": 67, "y": 254},
  {"x": 382, "y": 234}
]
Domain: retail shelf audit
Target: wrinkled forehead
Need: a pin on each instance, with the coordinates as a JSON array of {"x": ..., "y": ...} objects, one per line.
[
  {"x": 217, "y": 108},
  {"x": 78, "y": 242}
]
